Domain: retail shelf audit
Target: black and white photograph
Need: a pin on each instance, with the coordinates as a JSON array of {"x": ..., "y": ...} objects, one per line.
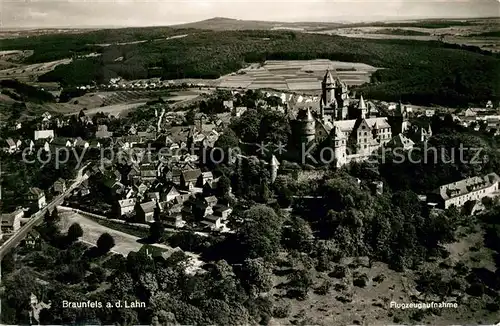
[{"x": 250, "y": 162}]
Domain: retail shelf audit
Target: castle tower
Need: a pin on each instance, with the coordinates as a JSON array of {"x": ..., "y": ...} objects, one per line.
[
  {"x": 334, "y": 98},
  {"x": 362, "y": 108},
  {"x": 328, "y": 104},
  {"x": 328, "y": 88},
  {"x": 306, "y": 126},
  {"x": 339, "y": 147},
  {"x": 274, "y": 165}
]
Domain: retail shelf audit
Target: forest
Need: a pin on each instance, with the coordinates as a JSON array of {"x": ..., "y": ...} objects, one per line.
[{"x": 421, "y": 72}]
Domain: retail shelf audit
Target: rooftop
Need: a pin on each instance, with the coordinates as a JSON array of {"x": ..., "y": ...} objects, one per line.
[{"x": 466, "y": 186}]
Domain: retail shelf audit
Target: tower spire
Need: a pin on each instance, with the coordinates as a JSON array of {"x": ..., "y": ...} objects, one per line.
[{"x": 362, "y": 107}]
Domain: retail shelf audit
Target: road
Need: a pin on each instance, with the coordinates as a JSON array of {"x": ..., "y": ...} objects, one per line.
[{"x": 37, "y": 218}]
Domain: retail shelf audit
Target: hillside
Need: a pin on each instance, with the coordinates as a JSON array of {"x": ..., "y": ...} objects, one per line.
[{"x": 228, "y": 24}]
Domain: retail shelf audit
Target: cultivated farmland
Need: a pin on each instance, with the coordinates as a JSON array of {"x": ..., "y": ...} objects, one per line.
[{"x": 296, "y": 75}]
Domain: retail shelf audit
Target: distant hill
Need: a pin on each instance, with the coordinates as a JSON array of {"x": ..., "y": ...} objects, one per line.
[{"x": 228, "y": 24}]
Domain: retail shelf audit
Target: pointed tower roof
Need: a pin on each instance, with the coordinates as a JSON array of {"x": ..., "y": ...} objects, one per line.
[
  {"x": 305, "y": 115},
  {"x": 362, "y": 104},
  {"x": 328, "y": 79},
  {"x": 309, "y": 115},
  {"x": 274, "y": 161}
]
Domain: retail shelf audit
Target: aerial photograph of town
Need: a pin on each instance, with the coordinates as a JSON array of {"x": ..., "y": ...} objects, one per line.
[{"x": 250, "y": 162}]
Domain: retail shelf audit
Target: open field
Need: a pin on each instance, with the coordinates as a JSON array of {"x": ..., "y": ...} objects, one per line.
[
  {"x": 296, "y": 75},
  {"x": 124, "y": 242},
  {"x": 31, "y": 72},
  {"x": 141, "y": 41},
  {"x": 119, "y": 102}
]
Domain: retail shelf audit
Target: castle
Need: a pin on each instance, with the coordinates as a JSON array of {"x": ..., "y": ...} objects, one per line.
[{"x": 354, "y": 131}]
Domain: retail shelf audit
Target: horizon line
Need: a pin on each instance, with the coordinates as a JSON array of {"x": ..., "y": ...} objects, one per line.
[{"x": 345, "y": 22}]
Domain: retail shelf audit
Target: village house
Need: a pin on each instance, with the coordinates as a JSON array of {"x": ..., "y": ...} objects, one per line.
[
  {"x": 32, "y": 240},
  {"x": 133, "y": 177},
  {"x": 174, "y": 221},
  {"x": 102, "y": 132},
  {"x": 171, "y": 194},
  {"x": 81, "y": 143},
  {"x": 430, "y": 113},
  {"x": 60, "y": 186},
  {"x": 420, "y": 134},
  {"x": 228, "y": 105},
  {"x": 238, "y": 111},
  {"x": 146, "y": 212},
  {"x": 212, "y": 222},
  {"x": 148, "y": 172},
  {"x": 141, "y": 189},
  {"x": 400, "y": 142},
  {"x": 210, "y": 201},
  {"x": 46, "y": 116},
  {"x": 125, "y": 206},
  {"x": 83, "y": 189},
  {"x": 155, "y": 196},
  {"x": 189, "y": 178},
  {"x": 222, "y": 211},
  {"x": 205, "y": 177},
  {"x": 11, "y": 222},
  {"x": 118, "y": 189},
  {"x": 36, "y": 198},
  {"x": 460, "y": 192},
  {"x": 62, "y": 142},
  {"x": 146, "y": 136},
  {"x": 12, "y": 146},
  {"x": 44, "y": 134},
  {"x": 200, "y": 209}
]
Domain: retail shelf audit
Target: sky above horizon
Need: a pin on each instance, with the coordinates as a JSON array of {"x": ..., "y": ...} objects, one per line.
[{"x": 83, "y": 13}]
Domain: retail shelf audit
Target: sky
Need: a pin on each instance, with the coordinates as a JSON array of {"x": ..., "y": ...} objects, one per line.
[{"x": 108, "y": 13}]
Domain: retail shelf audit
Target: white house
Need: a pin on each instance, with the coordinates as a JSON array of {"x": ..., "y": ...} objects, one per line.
[
  {"x": 11, "y": 222},
  {"x": 44, "y": 134},
  {"x": 126, "y": 206},
  {"x": 11, "y": 145},
  {"x": 172, "y": 194},
  {"x": 36, "y": 197},
  {"x": 460, "y": 192}
]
